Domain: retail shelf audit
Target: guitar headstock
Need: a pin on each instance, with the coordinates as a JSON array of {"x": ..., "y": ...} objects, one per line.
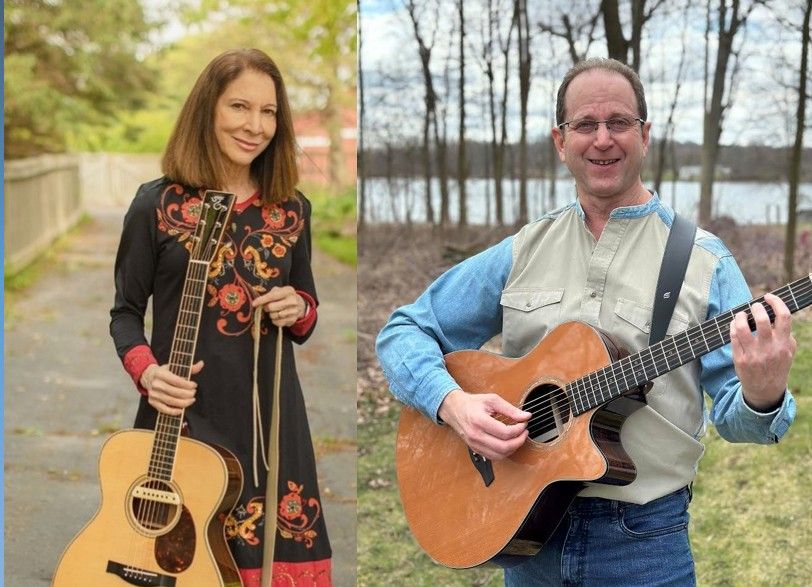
[{"x": 215, "y": 213}]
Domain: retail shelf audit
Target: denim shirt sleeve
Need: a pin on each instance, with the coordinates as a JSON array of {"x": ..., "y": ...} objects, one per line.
[
  {"x": 734, "y": 419},
  {"x": 460, "y": 310}
]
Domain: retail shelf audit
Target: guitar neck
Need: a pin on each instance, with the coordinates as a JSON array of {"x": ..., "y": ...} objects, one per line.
[
  {"x": 604, "y": 385},
  {"x": 181, "y": 358}
]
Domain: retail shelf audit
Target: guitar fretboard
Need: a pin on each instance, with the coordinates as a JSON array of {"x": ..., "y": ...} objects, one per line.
[
  {"x": 604, "y": 385},
  {"x": 181, "y": 357}
]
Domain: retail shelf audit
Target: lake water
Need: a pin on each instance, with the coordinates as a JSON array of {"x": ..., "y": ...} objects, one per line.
[{"x": 746, "y": 202}]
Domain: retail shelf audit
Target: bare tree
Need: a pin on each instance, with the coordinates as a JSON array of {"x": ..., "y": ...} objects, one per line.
[
  {"x": 727, "y": 27},
  {"x": 573, "y": 32},
  {"x": 617, "y": 44},
  {"x": 668, "y": 133},
  {"x": 362, "y": 183},
  {"x": 493, "y": 34},
  {"x": 430, "y": 97},
  {"x": 797, "y": 148},
  {"x": 523, "y": 38},
  {"x": 441, "y": 137},
  {"x": 462, "y": 171}
]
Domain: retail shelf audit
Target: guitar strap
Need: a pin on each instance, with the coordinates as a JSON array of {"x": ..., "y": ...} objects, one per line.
[
  {"x": 271, "y": 461},
  {"x": 672, "y": 274}
]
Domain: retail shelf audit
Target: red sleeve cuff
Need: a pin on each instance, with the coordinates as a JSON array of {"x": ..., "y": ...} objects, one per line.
[
  {"x": 136, "y": 360},
  {"x": 303, "y": 325}
]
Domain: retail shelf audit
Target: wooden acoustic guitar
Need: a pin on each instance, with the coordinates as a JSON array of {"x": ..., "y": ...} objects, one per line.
[
  {"x": 164, "y": 496},
  {"x": 580, "y": 386}
]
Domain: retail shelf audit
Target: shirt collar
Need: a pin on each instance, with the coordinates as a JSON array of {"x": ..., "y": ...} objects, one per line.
[{"x": 638, "y": 211}]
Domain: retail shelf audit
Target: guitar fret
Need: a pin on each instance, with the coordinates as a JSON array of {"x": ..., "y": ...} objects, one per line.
[
  {"x": 623, "y": 372},
  {"x": 604, "y": 384},
  {"x": 719, "y": 330},
  {"x": 664, "y": 353},
  {"x": 653, "y": 362},
  {"x": 572, "y": 390},
  {"x": 705, "y": 340},
  {"x": 207, "y": 236},
  {"x": 595, "y": 388}
]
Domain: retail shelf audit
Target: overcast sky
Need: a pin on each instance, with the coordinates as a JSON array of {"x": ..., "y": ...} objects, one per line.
[{"x": 394, "y": 90}]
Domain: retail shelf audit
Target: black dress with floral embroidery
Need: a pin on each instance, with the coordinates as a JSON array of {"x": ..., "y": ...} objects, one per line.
[{"x": 266, "y": 246}]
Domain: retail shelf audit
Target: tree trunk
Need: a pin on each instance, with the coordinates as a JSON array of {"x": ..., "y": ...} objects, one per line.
[
  {"x": 430, "y": 100},
  {"x": 499, "y": 158},
  {"x": 616, "y": 44},
  {"x": 714, "y": 112},
  {"x": 362, "y": 180},
  {"x": 797, "y": 148},
  {"x": 668, "y": 135},
  {"x": 462, "y": 171},
  {"x": 427, "y": 166},
  {"x": 333, "y": 122},
  {"x": 523, "y": 38}
]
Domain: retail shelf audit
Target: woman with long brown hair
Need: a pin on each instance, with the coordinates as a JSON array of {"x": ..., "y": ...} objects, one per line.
[{"x": 234, "y": 134}]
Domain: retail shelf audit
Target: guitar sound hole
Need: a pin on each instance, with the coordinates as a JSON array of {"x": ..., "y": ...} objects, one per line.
[
  {"x": 154, "y": 506},
  {"x": 551, "y": 411}
]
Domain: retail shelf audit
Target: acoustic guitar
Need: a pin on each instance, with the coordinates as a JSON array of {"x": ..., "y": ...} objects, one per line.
[
  {"x": 164, "y": 496},
  {"x": 580, "y": 386}
]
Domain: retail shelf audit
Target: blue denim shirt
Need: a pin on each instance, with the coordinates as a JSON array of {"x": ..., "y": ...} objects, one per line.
[{"x": 462, "y": 310}]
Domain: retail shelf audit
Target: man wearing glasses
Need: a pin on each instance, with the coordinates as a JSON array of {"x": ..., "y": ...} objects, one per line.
[{"x": 597, "y": 261}]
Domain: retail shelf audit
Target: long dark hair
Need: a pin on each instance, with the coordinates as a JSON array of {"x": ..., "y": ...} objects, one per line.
[{"x": 193, "y": 156}]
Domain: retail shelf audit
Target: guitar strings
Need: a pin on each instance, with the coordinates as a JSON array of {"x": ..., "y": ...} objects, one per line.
[
  {"x": 613, "y": 368},
  {"x": 156, "y": 515},
  {"x": 152, "y": 513},
  {"x": 617, "y": 368},
  {"x": 717, "y": 329}
]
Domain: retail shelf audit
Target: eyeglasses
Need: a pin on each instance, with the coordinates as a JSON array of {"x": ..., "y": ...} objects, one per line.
[{"x": 585, "y": 126}]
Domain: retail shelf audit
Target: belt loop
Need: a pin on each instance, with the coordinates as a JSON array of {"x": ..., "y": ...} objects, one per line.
[{"x": 690, "y": 489}]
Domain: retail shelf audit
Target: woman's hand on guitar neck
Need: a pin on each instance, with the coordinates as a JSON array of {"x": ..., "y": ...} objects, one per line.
[
  {"x": 169, "y": 393},
  {"x": 487, "y": 423}
]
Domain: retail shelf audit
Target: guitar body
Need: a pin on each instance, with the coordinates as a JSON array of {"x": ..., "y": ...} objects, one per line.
[
  {"x": 462, "y": 522},
  {"x": 141, "y": 534}
]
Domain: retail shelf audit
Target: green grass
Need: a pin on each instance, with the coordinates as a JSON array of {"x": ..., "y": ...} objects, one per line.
[
  {"x": 334, "y": 223},
  {"x": 750, "y": 517},
  {"x": 387, "y": 553},
  {"x": 751, "y": 512}
]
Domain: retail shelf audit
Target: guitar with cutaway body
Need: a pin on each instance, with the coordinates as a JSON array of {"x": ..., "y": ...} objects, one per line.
[{"x": 580, "y": 386}]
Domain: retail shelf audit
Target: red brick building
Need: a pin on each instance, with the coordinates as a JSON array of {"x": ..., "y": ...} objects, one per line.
[{"x": 314, "y": 159}]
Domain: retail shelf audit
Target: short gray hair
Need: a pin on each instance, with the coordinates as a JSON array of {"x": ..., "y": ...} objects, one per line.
[{"x": 607, "y": 65}]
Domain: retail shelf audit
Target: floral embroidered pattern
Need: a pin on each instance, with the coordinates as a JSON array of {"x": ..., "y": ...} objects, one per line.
[
  {"x": 243, "y": 522},
  {"x": 231, "y": 297},
  {"x": 297, "y": 515},
  {"x": 252, "y": 258}
]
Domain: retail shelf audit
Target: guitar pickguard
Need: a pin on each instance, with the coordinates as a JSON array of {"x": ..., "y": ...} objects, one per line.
[{"x": 174, "y": 551}]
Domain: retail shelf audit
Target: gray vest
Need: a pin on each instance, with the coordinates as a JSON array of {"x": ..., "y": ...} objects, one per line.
[{"x": 560, "y": 273}]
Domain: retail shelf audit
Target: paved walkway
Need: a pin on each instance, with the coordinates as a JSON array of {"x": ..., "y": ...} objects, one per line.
[{"x": 65, "y": 392}]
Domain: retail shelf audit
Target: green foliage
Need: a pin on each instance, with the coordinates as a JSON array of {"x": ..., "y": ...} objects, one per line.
[
  {"x": 313, "y": 42},
  {"x": 69, "y": 65},
  {"x": 141, "y": 131},
  {"x": 334, "y": 223}
]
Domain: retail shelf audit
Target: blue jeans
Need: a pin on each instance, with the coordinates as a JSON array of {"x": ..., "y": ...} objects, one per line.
[{"x": 608, "y": 543}]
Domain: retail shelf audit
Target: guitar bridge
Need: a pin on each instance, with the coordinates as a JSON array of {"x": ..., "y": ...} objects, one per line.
[
  {"x": 483, "y": 465},
  {"x": 141, "y": 577}
]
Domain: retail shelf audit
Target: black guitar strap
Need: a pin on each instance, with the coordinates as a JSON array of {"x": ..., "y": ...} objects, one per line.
[{"x": 672, "y": 273}]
